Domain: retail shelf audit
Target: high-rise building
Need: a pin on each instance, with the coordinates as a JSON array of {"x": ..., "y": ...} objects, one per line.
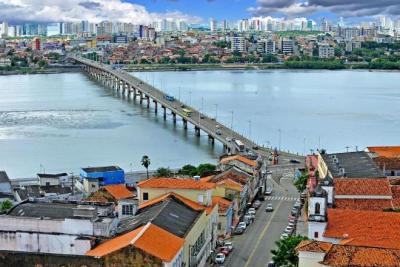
[
  {"x": 224, "y": 25},
  {"x": 270, "y": 46},
  {"x": 3, "y": 29},
  {"x": 326, "y": 51},
  {"x": 238, "y": 44},
  {"x": 287, "y": 46},
  {"x": 213, "y": 25},
  {"x": 11, "y": 31},
  {"x": 309, "y": 25},
  {"x": 36, "y": 44},
  {"x": 53, "y": 29},
  {"x": 243, "y": 25},
  {"x": 85, "y": 26}
]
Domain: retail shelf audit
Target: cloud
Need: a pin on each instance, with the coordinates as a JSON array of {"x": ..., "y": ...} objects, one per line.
[
  {"x": 346, "y": 8},
  {"x": 77, "y": 10}
]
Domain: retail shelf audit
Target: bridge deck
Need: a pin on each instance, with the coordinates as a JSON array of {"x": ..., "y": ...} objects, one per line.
[{"x": 202, "y": 121}]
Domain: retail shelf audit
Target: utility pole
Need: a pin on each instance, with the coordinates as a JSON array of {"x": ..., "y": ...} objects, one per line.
[
  {"x": 249, "y": 129},
  {"x": 280, "y": 137},
  {"x": 232, "y": 120},
  {"x": 216, "y": 111},
  {"x": 347, "y": 148},
  {"x": 73, "y": 183}
]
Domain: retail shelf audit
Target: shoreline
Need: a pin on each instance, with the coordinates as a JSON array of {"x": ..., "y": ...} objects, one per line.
[{"x": 200, "y": 67}]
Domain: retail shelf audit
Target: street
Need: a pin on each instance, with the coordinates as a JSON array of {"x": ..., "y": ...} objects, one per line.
[{"x": 253, "y": 248}]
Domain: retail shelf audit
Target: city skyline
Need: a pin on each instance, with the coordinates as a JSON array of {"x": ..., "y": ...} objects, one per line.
[{"x": 145, "y": 12}]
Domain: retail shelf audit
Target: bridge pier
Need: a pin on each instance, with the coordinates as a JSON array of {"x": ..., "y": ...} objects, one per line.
[
  {"x": 141, "y": 97},
  {"x": 197, "y": 131},
  {"x": 155, "y": 106},
  {"x": 174, "y": 117},
  {"x": 164, "y": 112},
  {"x": 184, "y": 124},
  {"x": 210, "y": 138}
]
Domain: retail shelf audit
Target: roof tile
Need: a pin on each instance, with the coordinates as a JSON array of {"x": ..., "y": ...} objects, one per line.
[{"x": 175, "y": 183}]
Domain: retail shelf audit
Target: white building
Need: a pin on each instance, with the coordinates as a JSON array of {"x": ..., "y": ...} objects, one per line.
[
  {"x": 326, "y": 51},
  {"x": 213, "y": 25},
  {"x": 287, "y": 46},
  {"x": 270, "y": 46},
  {"x": 238, "y": 43}
]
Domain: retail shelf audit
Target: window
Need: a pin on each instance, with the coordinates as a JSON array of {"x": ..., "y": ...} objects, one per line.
[
  {"x": 145, "y": 196},
  {"x": 315, "y": 234},
  {"x": 219, "y": 226},
  {"x": 127, "y": 209},
  {"x": 47, "y": 183},
  {"x": 200, "y": 199},
  {"x": 93, "y": 186},
  {"x": 317, "y": 208}
]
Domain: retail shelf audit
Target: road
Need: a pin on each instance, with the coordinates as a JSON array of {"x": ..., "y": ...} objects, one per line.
[{"x": 253, "y": 248}]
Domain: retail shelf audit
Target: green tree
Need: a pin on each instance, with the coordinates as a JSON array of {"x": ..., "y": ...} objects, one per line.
[
  {"x": 285, "y": 254},
  {"x": 163, "y": 172},
  {"x": 188, "y": 170},
  {"x": 146, "y": 163},
  {"x": 5, "y": 205},
  {"x": 205, "y": 169},
  {"x": 42, "y": 63},
  {"x": 301, "y": 182}
]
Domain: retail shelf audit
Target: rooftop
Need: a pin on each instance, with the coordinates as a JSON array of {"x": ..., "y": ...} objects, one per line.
[
  {"x": 364, "y": 228},
  {"x": 340, "y": 255},
  {"x": 233, "y": 174},
  {"x": 102, "y": 169},
  {"x": 165, "y": 248},
  {"x": 386, "y": 163},
  {"x": 355, "y": 165},
  {"x": 362, "y": 186},
  {"x": 119, "y": 191},
  {"x": 170, "y": 213},
  {"x": 176, "y": 183},
  {"x": 49, "y": 175},
  {"x": 385, "y": 151},
  {"x": 240, "y": 158}
]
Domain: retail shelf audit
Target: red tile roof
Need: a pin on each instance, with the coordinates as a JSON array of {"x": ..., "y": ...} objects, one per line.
[
  {"x": 177, "y": 183},
  {"x": 362, "y": 186},
  {"x": 118, "y": 191},
  {"x": 150, "y": 238},
  {"x": 385, "y": 163},
  {"x": 339, "y": 255},
  {"x": 385, "y": 151},
  {"x": 240, "y": 158},
  {"x": 364, "y": 228},
  {"x": 223, "y": 204},
  {"x": 363, "y": 204}
]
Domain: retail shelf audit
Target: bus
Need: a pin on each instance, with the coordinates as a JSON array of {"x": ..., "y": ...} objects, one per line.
[
  {"x": 187, "y": 112},
  {"x": 239, "y": 145},
  {"x": 169, "y": 97}
]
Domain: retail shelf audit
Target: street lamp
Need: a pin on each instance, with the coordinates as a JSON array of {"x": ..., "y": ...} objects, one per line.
[
  {"x": 216, "y": 111},
  {"x": 249, "y": 129},
  {"x": 190, "y": 98},
  {"x": 232, "y": 120},
  {"x": 280, "y": 137}
]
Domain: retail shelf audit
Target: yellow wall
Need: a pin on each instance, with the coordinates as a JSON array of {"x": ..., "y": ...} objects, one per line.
[
  {"x": 322, "y": 167},
  {"x": 187, "y": 193}
]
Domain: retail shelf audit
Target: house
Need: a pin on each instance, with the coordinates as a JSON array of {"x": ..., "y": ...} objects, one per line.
[
  {"x": 387, "y": 158},
  {"x": 95, "y": 177},
  {"x": 313, "y": 253},
  {"x": 225, "y": 216},
  {"x": 5, "y": 184},
  {"x": 148, "y": 244},
  {"x": 182, "y": 217},
  {"x": 357, "y": 227},
  {"x": 55, "y": 227},
  {"x": 126, "y": 202},
  {"x": 195, "y": 190},
  {"x": 362, "y": 193},
  {"x": 349, "y": 164},
  {"x": 47, "y": 179}
]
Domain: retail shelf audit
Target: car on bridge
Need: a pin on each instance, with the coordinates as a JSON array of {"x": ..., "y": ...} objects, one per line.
[{"x": 169, "y": 98}]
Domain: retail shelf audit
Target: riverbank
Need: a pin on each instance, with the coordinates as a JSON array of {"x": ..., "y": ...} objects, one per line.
[
  {"x": 50, "y": 70},
  {"x": 295, "y": 65}
]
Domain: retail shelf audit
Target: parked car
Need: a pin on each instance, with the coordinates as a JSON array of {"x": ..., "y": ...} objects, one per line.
[
  {"x": 288, "y": 230},
  {"x": 248, "y": 218},
  {"x": 238, "y": 231},
  {"x": 257, "y": 204},
  {"x": 271, "y": 264},
  {"x": 261, "y": 198},
  {"x": 291, "y": 224},
  {"x": 269, "y": 207},
  {"x": 224, "y": 250},
  {"x": 294, "y": 161},
  {"x": 229, "y": 245},
  {"x": 292, "y": 220},
  {"x": 294, "y": 212},
  {"x": 220, "y": 258},
  {"x": 297, "y": 205},
  {"x": 268, "y": 191},
  {"x": 252, "y": 211},
  {"x": 242, "y": 225}
]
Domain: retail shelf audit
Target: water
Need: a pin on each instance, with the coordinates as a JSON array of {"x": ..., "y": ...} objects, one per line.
[
  {"x": 296, "y": 110},
  {"x": 62, "y": 122}
]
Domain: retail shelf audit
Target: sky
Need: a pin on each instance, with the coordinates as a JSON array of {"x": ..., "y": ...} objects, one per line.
[{"x": 194, "y": 11}]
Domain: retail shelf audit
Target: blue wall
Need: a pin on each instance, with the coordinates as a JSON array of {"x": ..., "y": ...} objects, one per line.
[{"x": 111, "y": 177}]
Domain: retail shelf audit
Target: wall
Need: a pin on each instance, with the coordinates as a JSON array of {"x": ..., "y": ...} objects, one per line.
[
  {"x": 112, "y": 177},
  {"x": 310, "y": 259},
  {"x": 67, "y": 226},
  {"x": 21, "y": 259},
  {"x": 187, "y": 193},
  {"x": 90, "y": 186},
  {"x": 51, "y": 181},
  {"x": 45, "y": 243}
]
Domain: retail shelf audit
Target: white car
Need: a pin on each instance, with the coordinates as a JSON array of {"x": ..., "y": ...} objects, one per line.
[
  {"x": 229, "y": 245},
  {"x": 220, "y": 258},
  {"x": 289, "y": 229},
  {"x": 242, "y": 225},
  {"x": 284, "y": 235},
  {"x": 252, "y": 211}
]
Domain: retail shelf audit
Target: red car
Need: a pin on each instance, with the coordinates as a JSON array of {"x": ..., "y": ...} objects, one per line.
[{"x": 224, "y": 250}]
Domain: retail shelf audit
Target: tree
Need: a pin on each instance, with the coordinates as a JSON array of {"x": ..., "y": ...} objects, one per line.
[
  {"x": 285, "y": 254},
  {"x": 205, "y": 169},
  {"x": 188, "y": 170},
  {"x": 5, "y": 205},
  {"x": 301, "y": 182},
  {"x": 146, "y": 163},
  {"x": 42, "y": 63},
  {"x": 163, "y": 172}
]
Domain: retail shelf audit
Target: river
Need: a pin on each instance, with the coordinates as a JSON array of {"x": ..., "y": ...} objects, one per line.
[{"x": 61, "y": 122}]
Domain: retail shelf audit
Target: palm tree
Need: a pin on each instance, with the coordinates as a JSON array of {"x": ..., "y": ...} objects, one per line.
[{"x": 146, "y": 163}]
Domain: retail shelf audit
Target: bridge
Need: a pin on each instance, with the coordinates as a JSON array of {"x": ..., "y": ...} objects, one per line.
[{"x": 136, "y": 89}]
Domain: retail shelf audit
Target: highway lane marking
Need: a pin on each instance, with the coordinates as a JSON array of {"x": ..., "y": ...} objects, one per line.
[{"x": 262, "y": 235}]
